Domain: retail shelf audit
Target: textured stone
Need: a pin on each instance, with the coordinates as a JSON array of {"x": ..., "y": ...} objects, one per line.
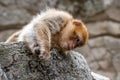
[
  {"x": 108, "y": 57},
  {"x": 94, "y": 65},
  {"x": 96, "y": 42},
  {"x": 116, "y": 62},
  {"x": 90, "y": 58},
  {"x": 104, "y": 28},
  {"x": 104, "y": 55},
  {"x": 5, "y": 34},
  {"x": 118, "y": 76},
  {"x": 114, "y": 16},
  {"x": 104, "y": 64},
  {"x": 84, "y": 50},
  {"x": 116, "y": 3},
  {"x": 11, "y": 12},
  {"x": 2, "y": 75},
  {"x": 111, "y": 74},
  {"x": 112, "y": 45},
  {"x": 24, "y": 66},
  {"x": 95, "y": 6},
  {"x": 99, "y": 77},
  {"x": 98, "y": 53},
  {"x": 13, "y": 18}
]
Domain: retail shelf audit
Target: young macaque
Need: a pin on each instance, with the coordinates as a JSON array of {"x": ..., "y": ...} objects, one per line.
[{"x": 52, "y": 28}]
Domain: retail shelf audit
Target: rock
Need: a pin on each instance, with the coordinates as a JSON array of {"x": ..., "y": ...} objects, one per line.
[
  {"x": 5, "y": 34},
  {"x": 19, "y": 64},
  {"x": 114, "y": 11},
  {"x": 114, "y": 16},
  {"x": 7, "y": 2},
  {"x": 118, "y": 76},
  {"x": 111, "y": 74},
  {"x": 95, "y": 6},
  {"x": 98, "y": 53},
  {"x": 104, "y": 64},
  {"x": 99, "y": 77},
  {"x": 112, "y": 44},
  {"x": 13, "y": 18},
  {"x": 103, "y": 55},
  {"x": 116, "y": 62},
  {"x": 104, "y": 28},
  {"x": 96, "y": 42},
  {"x": 2, "y": 75},
  {"x": 84, "y": 50},
  {"x": 94, "y": 65},
  {"x": 12, "y": 11},
  {"x": 116, "y": 3},
  {"x": 109, "y": 11},
  {"x": 91, "y": 59}
]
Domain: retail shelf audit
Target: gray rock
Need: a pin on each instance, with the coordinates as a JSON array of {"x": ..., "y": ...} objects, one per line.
[
  {"x": 96, "y": 42},
  {"x": 19, "y": 64},
  {"x": 104, "y": 55},
  {"x": 113, "y": 13},
  {"x": 104, "y": 28},
  {"x": 98, "y": 53},
  {"x": 116, "y": 62},
  {"x": 2, "y": 75},
  {"x": 118, "y": 76},
  {"x": 13, "y": 18},
  {"x": 15, "y": 13},
  {"x": 95, "y": 6},
  {"x": 5, "y": 34},
  {"x": 112, "y": 44}
]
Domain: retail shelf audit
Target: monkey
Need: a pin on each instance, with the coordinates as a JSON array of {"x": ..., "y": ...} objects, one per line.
[{"x": 52, "y": 28}]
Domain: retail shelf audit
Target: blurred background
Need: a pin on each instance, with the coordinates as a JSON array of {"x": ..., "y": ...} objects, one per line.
[{"x": 102, "y": 18}]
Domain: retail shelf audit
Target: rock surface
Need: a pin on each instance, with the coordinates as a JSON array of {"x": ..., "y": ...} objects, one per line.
[
  {"x": 6, "y": 33},
  {"x": 2, "y": 75},
  {"x": 11, "y": 12},
  {"x": 18, "y": 64}
]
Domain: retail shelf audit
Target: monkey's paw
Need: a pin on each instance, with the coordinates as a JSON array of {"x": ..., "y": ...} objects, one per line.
[
  {"x": 41, "y": 54},
  {"x": 36, "y": 50},
  {"x": 44, "y": 55}
]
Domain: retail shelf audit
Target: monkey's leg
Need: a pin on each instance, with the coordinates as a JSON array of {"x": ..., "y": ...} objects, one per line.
[
  {"x": 43, "y": 37},
  {"x": 13, "y": 37}
]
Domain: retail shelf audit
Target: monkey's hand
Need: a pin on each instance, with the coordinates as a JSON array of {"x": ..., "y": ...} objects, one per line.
[{"x": 42, "y": 53}]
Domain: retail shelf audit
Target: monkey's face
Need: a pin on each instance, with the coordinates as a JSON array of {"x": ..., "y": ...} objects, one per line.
[{"x": 74, "y": 35}]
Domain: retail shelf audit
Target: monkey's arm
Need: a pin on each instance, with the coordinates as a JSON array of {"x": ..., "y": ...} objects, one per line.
[{"x": 43, "y": 37}]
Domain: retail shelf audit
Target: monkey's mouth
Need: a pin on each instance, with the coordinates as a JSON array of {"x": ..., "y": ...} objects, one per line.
[
  {"x": 70, "y": 46},
  {"x": 73, "y": 46}
]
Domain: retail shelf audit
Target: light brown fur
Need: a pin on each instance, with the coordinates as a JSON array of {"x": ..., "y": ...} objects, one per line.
[
  {"x": 58, "y": 30},
  {"x": 13, "y": 37}
]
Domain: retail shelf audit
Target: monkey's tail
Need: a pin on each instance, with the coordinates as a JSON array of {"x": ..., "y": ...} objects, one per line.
[{"x": 13, "y": 37}]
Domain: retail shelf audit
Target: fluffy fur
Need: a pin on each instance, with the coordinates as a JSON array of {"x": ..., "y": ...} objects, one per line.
[{"x": 54, "y": 28}]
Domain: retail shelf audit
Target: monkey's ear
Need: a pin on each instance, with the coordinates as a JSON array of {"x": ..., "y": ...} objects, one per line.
[{"x": 77, "y": 22}]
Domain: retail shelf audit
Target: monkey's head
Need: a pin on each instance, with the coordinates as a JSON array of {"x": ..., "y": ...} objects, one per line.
[{"x": 73, "y": 35}]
